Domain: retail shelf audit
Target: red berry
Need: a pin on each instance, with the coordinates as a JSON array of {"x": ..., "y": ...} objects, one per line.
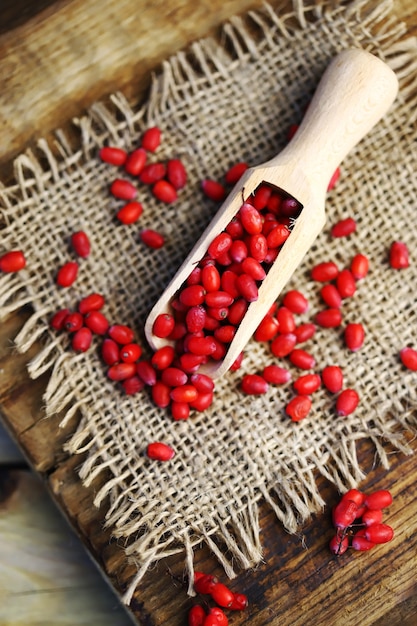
[
  {"x": 135, "y": 162},
  {"x": 218, "y": 615},
  {"x": 339, "y": 544},
  {"x": 73, "y": 322},
  {"x": 286, "y": 320},
  {"x": 222, "y": 595},
  {"x": 92, "y": 302},
  {"x": 145, "y": 371},
  {"x": 184, "y": 393},
  {"x": 202, "y": 382},
  {"x": 346, "y": 402},
  {"x": 225, "y": 333},
  {"x": 176, "y": 173},
  {"x": 204, "y": 583},
  {"x": 160, "y": 394},
  {"x": 174, "y": 376},
  {"x": 250, "y": 218},
  {"x": 67, "y": 274},
  {"x": 130, "y": 213},
  {"x": 277, "y": 236},
  {"x": 295, "y": 301},
  {"x": 354, "y": 336},
  {"x": 210, "y": 278},
  {"x": 220, "y": 244},
  {"x": 180, "y": 410},
  {"x": 247, "y": 287},
  {"x": 267, "y": 329},
  {"x": 258, "y": 247},
  {"x": 253, "y": 268},
  {"x": 331, "y": 296},
  {"x": 307, "y": 384},
  {"x": 123, "y": 189},
  {"x": 130, "y": 352},
  {"x": 360, "y": 543},
  {"x": 160, "y": 451},
  {"x": 113, "y": 155},
  {"x": 359, "y": 266},
  {"x": 345, "y": 284},
  {"x": 235, "y": 172},
  {"x": 276, "y": 375},
  {"x": 253, "y": 384},
  {"x": 110, "y": 351},
  {"x": 237, "y": 311},
  {"x": 57, "y": 321},
  {"x": 163, "y": 357},
  {"x": 302, "y": 359},
  {"x": 240, "y": 602},
  {"x": 121, "y": 334},
  {"x": 81, "y": 340},
  {"x": 121, "y": 371},
  {"x": 203, "y": 346},
  {"x": 283, "y": 345},
  {"x": 344, "y": 513},
  {"x": 152, "y": 238},
  {"x": 152, "y": 173},
  {"x": 332, "y": 377},
  {"x": 163, "y": 325},
  {"x": 324, "y": 272},
  {"x": 96, "y": 322},
  {"x": 151, "y": 138},
  {"x": 81, "y": 243},
  {"x": 378, "y": 499},
  {"x": 261, "y": 197},
  {"x": 203, "y": 401},
  {"x": 379, "y": 533},
  {"x": 193, "y": 295},
  {"x": 213, "y": 189},
  {"x": 196, "y": 615},
  {"x": 372, "y": 516},
  {"x": 329, "y": 318},
  {"x": 343, "y": 228},
  {"x": 298, "y": 408},
  {"x": 132, "y": 385},
  {"x": 354, "y": 494},
  {"x": 164, "y": 191},
  {"x": 304, "y": 332},
  {"x": 218, "y": 299},
  {"x": 408, "y": 358},
  {"x": 399, "y": 255}
]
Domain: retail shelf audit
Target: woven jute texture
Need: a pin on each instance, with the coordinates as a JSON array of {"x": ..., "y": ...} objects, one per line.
[{"x": 217, "y": 103}]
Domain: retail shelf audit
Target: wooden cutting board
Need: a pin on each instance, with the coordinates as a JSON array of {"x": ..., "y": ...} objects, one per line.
[{"x": 58, "y": 58}]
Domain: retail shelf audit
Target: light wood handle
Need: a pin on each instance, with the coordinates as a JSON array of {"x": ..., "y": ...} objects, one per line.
[{"x": 355, "y": 91}]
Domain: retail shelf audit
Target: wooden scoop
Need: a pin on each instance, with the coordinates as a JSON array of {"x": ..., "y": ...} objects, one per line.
[{"x": 355, "y": 91}]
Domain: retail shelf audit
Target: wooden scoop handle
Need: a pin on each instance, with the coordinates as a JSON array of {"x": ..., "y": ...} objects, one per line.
[{"x": 355, "y": 91}]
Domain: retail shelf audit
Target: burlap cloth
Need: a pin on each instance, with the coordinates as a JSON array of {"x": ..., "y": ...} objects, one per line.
[{"x": 219, "y": 103}]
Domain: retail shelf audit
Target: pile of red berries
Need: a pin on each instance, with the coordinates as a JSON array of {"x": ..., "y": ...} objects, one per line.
[
  {"x": 208, "y": 584},
  {"x": 358, "y": 521}
]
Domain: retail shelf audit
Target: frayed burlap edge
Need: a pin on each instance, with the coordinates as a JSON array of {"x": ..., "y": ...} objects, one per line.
[{"x": 240, "y": 532}]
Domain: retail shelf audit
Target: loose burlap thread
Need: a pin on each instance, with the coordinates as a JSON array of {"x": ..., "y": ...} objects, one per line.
[{"x": 218, "y": 103}]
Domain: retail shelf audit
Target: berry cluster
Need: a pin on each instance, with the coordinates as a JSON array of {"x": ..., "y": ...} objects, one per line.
[
  {"x": 208, "y": 584},
  {"x": 164, "y": 178},
  {"x": 358, "y": 521}
]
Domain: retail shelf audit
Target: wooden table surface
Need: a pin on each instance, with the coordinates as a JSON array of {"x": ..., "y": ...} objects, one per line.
[{"x": 56, "y": 59}]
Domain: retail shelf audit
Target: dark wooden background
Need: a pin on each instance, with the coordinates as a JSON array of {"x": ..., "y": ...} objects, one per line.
[{"x": 58, "y": 57}]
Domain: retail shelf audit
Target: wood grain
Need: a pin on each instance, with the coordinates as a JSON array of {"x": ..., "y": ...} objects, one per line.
[{"x": 55, "y": 62}]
